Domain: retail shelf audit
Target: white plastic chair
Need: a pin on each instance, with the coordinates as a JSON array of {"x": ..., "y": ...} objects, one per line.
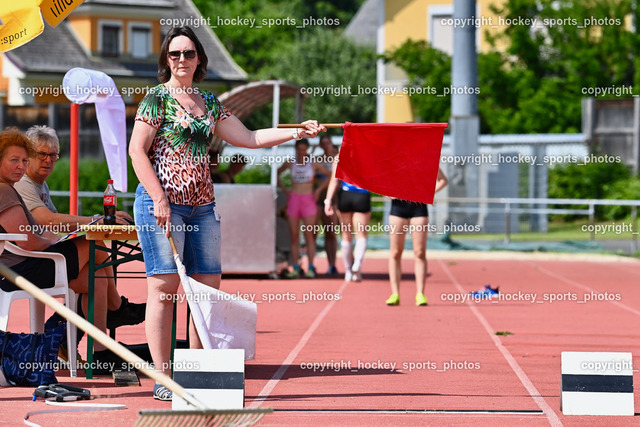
[{"x": 36, "y": 308}]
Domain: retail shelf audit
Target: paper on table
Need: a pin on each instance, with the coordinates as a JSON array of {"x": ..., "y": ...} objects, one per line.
[{"x": 77, "y": 230}]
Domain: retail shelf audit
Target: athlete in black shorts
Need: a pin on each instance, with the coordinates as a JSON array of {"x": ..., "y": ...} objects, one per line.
[
  {"x": 354, "y": 206},
  {"x": 409, "y": 217}
]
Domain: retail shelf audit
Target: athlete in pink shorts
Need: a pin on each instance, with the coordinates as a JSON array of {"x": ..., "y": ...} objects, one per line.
[{"x": 302, "y": 205}]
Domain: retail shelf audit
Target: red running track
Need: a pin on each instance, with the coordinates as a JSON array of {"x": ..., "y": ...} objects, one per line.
[{"x": 332, "y": 353}]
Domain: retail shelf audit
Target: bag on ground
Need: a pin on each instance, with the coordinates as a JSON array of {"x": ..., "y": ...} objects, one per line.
[{"x": 30, "y": 359}]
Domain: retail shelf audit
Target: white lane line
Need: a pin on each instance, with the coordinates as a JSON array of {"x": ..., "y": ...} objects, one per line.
[
  {"x": 408, "y": 411},
  {"x": 268, "y": 388},
  {"x": 522, "y": 376},
  {"x": 583, "y": 287}
]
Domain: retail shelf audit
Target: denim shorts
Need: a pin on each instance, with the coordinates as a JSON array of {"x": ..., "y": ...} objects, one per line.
[{"x": 195, "y": 231}]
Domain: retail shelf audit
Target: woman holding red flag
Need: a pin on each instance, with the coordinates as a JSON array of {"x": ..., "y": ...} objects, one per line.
[{"x": 173, "y": 130}]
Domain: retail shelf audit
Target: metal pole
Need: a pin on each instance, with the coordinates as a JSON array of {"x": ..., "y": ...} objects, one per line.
[
  {"x": 507, "y": 215},
  {"x": 592, "y": 220},
  {"x": 90, "y": 306},
  {"x": 465, "y": 125},
  {"x": 634, "y": 229},
  {"x": 73, "y": 153},
  {"x": 274, "y": 121}
]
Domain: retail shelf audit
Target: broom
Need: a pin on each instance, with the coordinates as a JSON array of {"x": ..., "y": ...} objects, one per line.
[{"x": 199, "y": 417}]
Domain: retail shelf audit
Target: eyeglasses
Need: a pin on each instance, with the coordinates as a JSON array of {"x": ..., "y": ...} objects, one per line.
[
  {"x": 42, "y": 155},
  {"x": 188, "y": 54}
]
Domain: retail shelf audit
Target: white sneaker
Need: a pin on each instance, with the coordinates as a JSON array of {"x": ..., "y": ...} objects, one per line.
[
  {"x": 356, "y": 276},
  {"x": 347, "y": 276}
]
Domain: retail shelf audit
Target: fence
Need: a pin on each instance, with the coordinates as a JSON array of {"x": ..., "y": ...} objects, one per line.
[
  {"x": 445, "y": 206},
  {"x": 511, "y": 206}
]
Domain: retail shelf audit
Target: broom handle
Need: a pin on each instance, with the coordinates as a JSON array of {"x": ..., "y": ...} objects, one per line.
[
  {"x": 196, "y": 311},
  {"x": 173, "y": 245},
  {"x": 295, "y": 125},
  {"x": 99, "y": 336}
]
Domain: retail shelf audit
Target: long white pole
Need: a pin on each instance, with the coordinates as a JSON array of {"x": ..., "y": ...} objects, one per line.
[{"x": 99, "y": 336}]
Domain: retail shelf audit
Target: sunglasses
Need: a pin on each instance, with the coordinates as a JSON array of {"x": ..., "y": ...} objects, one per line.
[
  {"x": 43, "y": 155},
  {"x": 188, "y": 54}
]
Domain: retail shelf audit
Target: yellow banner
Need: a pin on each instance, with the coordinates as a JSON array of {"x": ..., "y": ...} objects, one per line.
[
  {"x": 19, "y": 24},
  {"x": 54, "y": 11}
]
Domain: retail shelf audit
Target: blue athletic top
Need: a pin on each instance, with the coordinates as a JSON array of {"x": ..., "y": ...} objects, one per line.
[{"x": 352, "y": 188}]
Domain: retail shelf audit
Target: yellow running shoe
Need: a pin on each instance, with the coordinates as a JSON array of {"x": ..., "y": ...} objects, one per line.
[
  {"x": 311, "y": 273},
  {"x": 294, "y": 273},
  {"x": 421, "y": 299},
  {"x": 394, "y": 299}
]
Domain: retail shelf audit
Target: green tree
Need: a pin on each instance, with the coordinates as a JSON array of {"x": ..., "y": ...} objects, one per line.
[
  {"x": 574, "y": 48},
  {"x": 276, "y": 23},
  {"x": 595, "y": 180},
  {"x": 506, "y": 96},
  {"x": 429, "y": 73},
  {"x": 623, "y": 189},
  {"x": 303, "y": 44},
  {"x": 249, "y": 45},
  {"x": 93, "y": 176},
  {"x": 587, "y": 43},
  {"x": 537, "y": 82},
  {"x": 332, "y": 66}
]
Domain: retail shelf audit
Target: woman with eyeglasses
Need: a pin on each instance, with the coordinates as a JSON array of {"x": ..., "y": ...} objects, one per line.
[
  {"x": 15, "y": 217},
  {"x": 34, "y": 191},
  {"x": 169, "y": 147}
]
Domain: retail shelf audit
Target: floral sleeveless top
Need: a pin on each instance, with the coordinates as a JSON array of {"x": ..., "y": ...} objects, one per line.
[{"x": 179, "y": 152}]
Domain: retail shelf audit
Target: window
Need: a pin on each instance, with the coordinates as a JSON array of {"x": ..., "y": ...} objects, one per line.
[
  {"x": 140, "y": 42},
  {"x": 441, "y": 28},
  {"x": 442, "y": 33},
  {"x": 110, "y": 40},
  {"x": 393, "y": 73}
]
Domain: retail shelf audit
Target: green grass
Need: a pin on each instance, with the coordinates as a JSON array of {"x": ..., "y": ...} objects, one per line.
[{"x": 559, "y": 231}]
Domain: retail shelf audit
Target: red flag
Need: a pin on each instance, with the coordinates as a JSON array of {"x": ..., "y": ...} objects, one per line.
[{"x": 393, "y": 159}]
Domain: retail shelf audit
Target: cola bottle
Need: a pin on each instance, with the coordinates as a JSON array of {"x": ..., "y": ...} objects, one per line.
[{"x": 110, "y": 201}]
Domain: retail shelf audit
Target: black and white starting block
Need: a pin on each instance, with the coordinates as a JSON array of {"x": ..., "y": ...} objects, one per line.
[
  {"x": 597, "y": 383},
  {"x": 214, "y": 377}
]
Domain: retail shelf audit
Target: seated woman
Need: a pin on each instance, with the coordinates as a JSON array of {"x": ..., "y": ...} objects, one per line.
[
  {"x": 15, "y": 149},
  {"x": 34, "y": 190}
]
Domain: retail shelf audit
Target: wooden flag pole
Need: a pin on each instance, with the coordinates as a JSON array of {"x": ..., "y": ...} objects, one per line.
[{"x": 295, "y": 125}]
